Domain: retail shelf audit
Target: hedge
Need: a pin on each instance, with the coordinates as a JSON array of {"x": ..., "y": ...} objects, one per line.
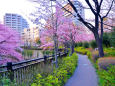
[
  {"x": 107, "y": 77},
  {"x": 83, "y": 51},
  {"x": 86, "y": 45},
  {"x": 93, "y": 44},
  {"x": 109, "y": 52},
  {"x": 105, "y": 62},
  {"x": 60, "y": 75}
]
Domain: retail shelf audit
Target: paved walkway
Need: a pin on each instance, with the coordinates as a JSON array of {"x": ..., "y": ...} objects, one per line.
[{"x": 84, "y": 74}]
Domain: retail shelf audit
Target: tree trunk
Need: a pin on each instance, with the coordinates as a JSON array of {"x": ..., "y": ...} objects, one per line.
[
  {"x": 71, "y": 44},
  {"x": 56, "y": 51},
  {"x": 72, "y": 47},
  {"x": 97, "y": 38},
  {"x": 99, "y": 44}
]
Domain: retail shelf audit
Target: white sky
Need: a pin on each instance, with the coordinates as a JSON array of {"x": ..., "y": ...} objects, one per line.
[{"x": 24, "y": 8}]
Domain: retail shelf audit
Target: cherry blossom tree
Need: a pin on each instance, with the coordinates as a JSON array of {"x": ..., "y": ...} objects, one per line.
[
  {"x": 47, "y": 39},
  {"x": 96, "y": 10},
  {"x": 64, "y": 31},
  {"x": 67, "y": 33},
  {"x": 96, "y": 6},
  {"x": 9, "y": 42},
  {"x": 54, "y": 22},
  {"x": 71, "y": 33}
]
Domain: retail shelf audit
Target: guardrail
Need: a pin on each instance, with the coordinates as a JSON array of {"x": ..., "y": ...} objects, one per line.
[{"x": 24, "y": 71}]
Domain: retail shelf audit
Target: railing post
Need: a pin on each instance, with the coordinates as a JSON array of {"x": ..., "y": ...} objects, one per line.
[
  {"x": 64, "y": 52},
  {"x": 67, "y": 50},
  {"x": 10, "y": 71},
  {"x": 45, "y": 58},
  {"x": 59, "y": 54}
]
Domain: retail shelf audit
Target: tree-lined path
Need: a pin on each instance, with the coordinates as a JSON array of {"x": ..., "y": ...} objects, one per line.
[{"x": 84, "y": 75}]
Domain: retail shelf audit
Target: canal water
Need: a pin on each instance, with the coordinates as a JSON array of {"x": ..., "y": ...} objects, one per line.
[{"x": 32, "y": 54}]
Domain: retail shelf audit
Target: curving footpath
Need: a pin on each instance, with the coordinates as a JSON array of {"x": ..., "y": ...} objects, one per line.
[{"x": 84, "y": 74}]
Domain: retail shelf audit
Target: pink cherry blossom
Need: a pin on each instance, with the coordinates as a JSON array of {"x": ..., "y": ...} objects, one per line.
[
  {"x": 65, "y": 30},
  {"x": 9, "y": 41}
]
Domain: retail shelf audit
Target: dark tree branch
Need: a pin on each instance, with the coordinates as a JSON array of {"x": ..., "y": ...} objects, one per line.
[
  {"x": 88, "y": 25},
  {"x": 65, "y": 9},
  {"x": 103, "y": 23},
  {"x": 2, "y": 41},
  {"x": 96, "y": 3},
  {"x": 108, "y": 29},
  {"x": 87, "y": 1},
  {"x": 68, "y": 11},
  {"x": 101, "y": 3},
  {"x": 5, "y": 39},
  {"x": 108, "y": 25},
  {"x": 109, "y": 9}
]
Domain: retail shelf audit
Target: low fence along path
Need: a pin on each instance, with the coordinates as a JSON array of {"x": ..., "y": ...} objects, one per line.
[
  {"x": 84, "y": 75},
  {"x": 23, "y": 72}
]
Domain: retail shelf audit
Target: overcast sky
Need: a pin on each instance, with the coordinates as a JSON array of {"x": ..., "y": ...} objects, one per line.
[{"x": 24, "y": 8}]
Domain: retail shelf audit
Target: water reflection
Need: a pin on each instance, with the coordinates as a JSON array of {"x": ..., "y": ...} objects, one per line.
[{"x": 32, "y": 54}]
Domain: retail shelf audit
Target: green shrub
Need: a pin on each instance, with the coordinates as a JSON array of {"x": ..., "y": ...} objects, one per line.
[
  {"x": 89, "y": 54},
  {"x": 107, "y": 78},
  {"x": 93, "y": 44},
  {"x": 81, "y": 50},
  {"x": 80, "y": 44},
  {"x": 105, "y": 62},
  {"x": 95, "y": 57},
  {"x": 27, "y": 52},
  {"x": 84, "y": 51},
  {"x": 60, "y": 75},
  {"x": 112, "y": 37},
  {"x": 38, "y": 42},
  {"x": 76, "y": 44},
  {"x": 106, "y": 40},
  {"x": 86, "y": 45},
  {"x": 109, "y": 52},
  {"x": 60, "y": 47},
  {"x": 7, "y": 82},
  {"x": 47, "y": 52}
]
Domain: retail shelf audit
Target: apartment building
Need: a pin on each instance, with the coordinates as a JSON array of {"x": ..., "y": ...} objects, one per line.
[
  {"x": 30, "y": 36},
  {"x": 16, "y": 22},
  {"x": 80, "y": 9}
]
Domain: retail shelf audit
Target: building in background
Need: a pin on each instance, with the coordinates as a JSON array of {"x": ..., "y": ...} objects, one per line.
[
  {"x": 16, "y": 22},
  {"x": 30, "y": 36},
  {"x": 109, "y": 23},
  {"x": 80, "y": 9}
]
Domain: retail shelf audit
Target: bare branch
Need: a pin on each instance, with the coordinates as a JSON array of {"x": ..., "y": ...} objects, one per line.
[
  {"x": 65, "y": 9},
  {"x": 108, "y": 25},
  {"x": 87, "y": 1},
  {"x": 88, "y": 25},
  {"x": 2, "y": 41},
  {"x": 96, "y": 3},
  {"x": 101, "y": 2},
  {"x": 109, "y": 9},
  {"x": 6, "y": 39}
]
